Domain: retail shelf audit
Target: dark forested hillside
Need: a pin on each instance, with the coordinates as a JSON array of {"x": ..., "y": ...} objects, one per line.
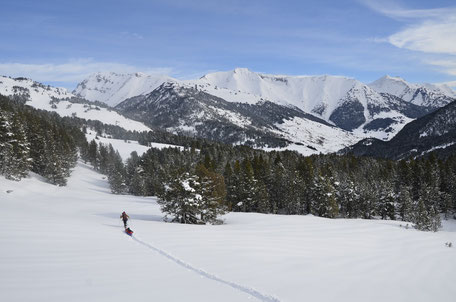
[{"x": 38, "y": 141}]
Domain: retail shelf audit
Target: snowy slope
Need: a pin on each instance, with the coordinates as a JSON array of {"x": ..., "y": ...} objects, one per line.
[
  {"x": 420, "y": 94},
  {"x": 345, "y": 102},
  {"x": 309, "y": 93},
  {"x": 178, "y": 108},
  {"x": 125, "y": 148},
  {"x": 310, "y": 137},
  {"x": 112, "y": 88},
  {"x": 67, "y": 244},
  {"x": 56, "y": 99}
]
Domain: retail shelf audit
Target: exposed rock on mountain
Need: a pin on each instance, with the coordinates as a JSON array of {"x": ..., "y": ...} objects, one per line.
[{"x": 433, "y": 132}]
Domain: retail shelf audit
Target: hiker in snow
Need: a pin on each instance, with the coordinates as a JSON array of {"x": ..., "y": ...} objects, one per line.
[{"x": 124, "y": 217}]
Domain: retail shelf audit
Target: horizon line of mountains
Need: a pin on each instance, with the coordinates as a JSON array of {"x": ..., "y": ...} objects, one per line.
[{"x": 309, "y": 114}]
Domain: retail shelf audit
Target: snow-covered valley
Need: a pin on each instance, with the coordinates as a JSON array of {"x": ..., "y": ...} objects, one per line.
[{"x": 67, "y": 244}]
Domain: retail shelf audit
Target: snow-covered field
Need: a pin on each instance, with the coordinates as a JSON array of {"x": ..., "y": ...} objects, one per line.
[
  {"x": 125, "y": 148},
  {"x": 67, "y": 244}
]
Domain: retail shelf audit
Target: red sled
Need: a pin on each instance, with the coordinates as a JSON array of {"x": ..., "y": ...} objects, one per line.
[{"x": 129, "y": 231}]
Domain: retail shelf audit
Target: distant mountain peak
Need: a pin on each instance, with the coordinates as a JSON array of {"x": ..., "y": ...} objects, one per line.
[
  {"x": 113, "y": 88},
  {"x": 428, "y": 95},
  {"x": 242, "y": 70}
]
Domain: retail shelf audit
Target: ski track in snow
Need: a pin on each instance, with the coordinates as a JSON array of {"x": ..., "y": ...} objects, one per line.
[{"x": 247, "y": 290}]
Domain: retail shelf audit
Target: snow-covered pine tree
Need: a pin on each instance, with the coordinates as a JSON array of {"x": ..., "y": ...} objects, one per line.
[
  {"x": 348, "y": 198},
  {"x": 211, "y": 187},
  {"x": 93, "y": 154},
  {"x": 54, "y": 169},
  {"x": 324, "y": 198},
  {"x": 305, "y": 170},
  {"x": 15, "y": 160},
  {"x": 386, "y": 200},
  {"x": 230, "y": 184},
  {"x": 426, "y": 215},
  {"x": 180, "y": 198},
  {"x": 134, "y": 178},
  {"x": 116, "y": 172},
  {"x": 405, "y": 203}
]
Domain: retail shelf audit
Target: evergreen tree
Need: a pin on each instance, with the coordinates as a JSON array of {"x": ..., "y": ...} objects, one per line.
[
  {"x": 93, "y": 154},
  {"x": 180, "y": 199},
  {"x": 15, "y": 158},
  {"x": 211, "y": 188},
  {"x": 324, "y": 198},
  {"x": 427, "y": 217},
  {"x": 405, "y": 204},
  {"x": 116, "y": 174},
  {"x": 386, "y": 200}
]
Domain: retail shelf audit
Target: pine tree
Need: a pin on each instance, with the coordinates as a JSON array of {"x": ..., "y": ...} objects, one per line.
[
  {"x": 324, "y": 198},
  {"x": 405, "y": 204},
  {"x": 386, "y": 200},
  {"x": 246, "y": 186},
  {"x": 427, "y": 217},
  {"x": 93, "y": 154},
  {"x": 230, "y": 184},
  {"x": 116, "y": 173},
  {"x": 211, "y": 188},
  {"x": 305, "y": 170},
  {"x": 421, "y": 216},
  {"x": 180, "y": 199}
]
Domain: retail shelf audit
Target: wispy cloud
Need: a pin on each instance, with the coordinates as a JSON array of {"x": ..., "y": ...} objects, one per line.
[
  {"x": 131, "y": 35},
  {"x": 436, "y": 35},
  {"x": 449, "y": 65},
  {"x": 429, "y": 31},
  {"x": 451, "y": 84},
  {"x": 72, "y": 71},
  {"x": 394, "y": 10}
]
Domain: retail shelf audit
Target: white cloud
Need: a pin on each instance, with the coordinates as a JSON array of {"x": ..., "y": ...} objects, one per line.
[
  {"x": 431, "y": 32},
  {"x": 448, "y": 65},
  {"x": 393, "y": 10},
  {"x": 72, "y": 71},
  {"x": 437, "y": 35},
  {"x": 451, "y": 84}
]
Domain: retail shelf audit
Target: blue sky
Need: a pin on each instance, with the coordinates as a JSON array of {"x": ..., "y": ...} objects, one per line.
[{"x": 61, "y": 42}]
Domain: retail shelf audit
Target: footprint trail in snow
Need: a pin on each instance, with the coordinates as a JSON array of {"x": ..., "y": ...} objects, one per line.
[{"x": 245, "y": 289}]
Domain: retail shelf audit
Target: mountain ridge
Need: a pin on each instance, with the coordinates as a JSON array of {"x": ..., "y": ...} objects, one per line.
[
  {"x": 341, "y": 101},
  {"x": 433, "y": 132},
  {"x": 180, "y": 108}
]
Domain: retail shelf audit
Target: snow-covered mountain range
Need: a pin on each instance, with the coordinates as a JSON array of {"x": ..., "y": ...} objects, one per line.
[
  {"x": 429, "y": 95},
  {"x": 183, "y": 109},
  {"x": 311, "y": 114},
  {"x": 378, "y": 110},
  {"x": 63, "y": 102}
]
